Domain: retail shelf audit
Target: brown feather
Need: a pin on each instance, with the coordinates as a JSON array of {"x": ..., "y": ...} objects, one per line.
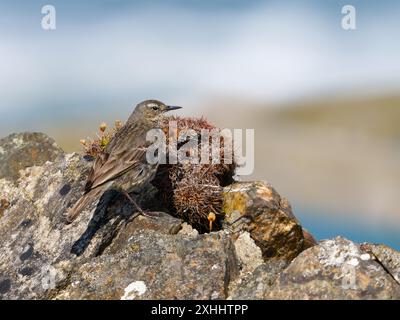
[{"x": 85, "y": 200}]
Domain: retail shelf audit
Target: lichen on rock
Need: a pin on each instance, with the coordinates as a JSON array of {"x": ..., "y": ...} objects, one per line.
[
  {"x": 261, "y": 251},
  {"x": 257, "y": 208},
  {"x": 335, "y": 269},
  {"x": 21, "y": 150}
]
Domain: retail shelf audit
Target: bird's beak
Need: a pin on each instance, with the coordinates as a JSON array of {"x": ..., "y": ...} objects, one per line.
[{"x": 169, "y": 108}]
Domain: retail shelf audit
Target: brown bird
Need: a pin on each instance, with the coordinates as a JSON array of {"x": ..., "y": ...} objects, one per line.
[{"x": 123, "y": 165}]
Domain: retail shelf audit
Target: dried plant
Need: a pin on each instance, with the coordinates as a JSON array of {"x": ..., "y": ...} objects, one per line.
[
  {"x": 92, "y": 147},
  {"x": 194, "y": 191}
]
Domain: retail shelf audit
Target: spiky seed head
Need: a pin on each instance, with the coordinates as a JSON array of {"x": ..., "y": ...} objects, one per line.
[{"x": 193, "y": 191}]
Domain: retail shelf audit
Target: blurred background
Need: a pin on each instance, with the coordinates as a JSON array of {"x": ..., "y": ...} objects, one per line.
[{"x": 324, "y": 101}]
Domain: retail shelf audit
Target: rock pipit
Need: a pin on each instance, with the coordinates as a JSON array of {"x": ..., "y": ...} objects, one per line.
[{"x": 123, "y": 165}]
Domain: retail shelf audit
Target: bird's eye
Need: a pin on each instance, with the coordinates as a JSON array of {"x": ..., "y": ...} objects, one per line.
[{"x": 155, "y": 108}]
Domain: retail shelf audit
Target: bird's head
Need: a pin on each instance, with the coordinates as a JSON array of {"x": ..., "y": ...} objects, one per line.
[{"x": 151, "y": 110}]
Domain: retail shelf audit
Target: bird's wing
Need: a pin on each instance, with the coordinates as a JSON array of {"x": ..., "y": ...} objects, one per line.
[
  {"x": 99, "y": 161},
  {"x": 119, "y": 158}
]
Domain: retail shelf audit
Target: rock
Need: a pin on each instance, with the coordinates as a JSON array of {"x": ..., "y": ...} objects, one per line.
[
  {"x": 249, "y": 255},
  {"x": 309, "y": 240},
  {"x": 157, "y": 266},
  {"x": 257, "y": 208},
  {"x": 21, "y": 150},
  {"x": 36, "y": 261},
  {"x": 255, "y": 285},
  {"x": 386, "y": 256},
  {"x": 33, "y": 234},
  {"x": 188, "y": 230},
  {"x": 164, "y": 224},
  {"x": 255, "y": 275},
  {"x": 109, "y": 252},
  {"x": 334, "y": 269},
  {"x": 36, "y": 241}
]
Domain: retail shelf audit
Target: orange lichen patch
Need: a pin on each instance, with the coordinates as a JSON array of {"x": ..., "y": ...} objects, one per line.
[
  {"x": 234, "y": 201},
  {"x": 265, "y": 193},
  {"x": 4, "y": 204},
  {"x": 135, "y": 247},
  {"x": 34, "y": 153}
]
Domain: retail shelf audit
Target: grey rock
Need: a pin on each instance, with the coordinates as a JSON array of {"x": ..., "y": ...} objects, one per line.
[
  {"x": 386, "y": 256},
  {"x": 33, "y": 234},
  {"x": 248, "y": 253},
  {"x": 255, "y": 285},
  {"x": 157, "y": 266},
  {"x": 21, "y": 150},
  {"x": 36, "y": 260},
  {"x": 109, "y": 252},
  {"x": 334, "y": 269},
  {"x": 35, "y": 239}
]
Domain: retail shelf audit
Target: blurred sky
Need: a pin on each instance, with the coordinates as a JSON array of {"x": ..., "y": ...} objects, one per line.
[
  {"x": 105, "y": 56},
  {"x": 111, "y": 54}
]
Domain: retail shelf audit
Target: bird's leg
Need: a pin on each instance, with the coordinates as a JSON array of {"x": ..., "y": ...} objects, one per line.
[
  {"x": 133, "y": 201},
  {"x": 141, "y": 211}
]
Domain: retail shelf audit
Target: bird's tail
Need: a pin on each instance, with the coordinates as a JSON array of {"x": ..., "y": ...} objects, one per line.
[{"x": 84, "y": 201}]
